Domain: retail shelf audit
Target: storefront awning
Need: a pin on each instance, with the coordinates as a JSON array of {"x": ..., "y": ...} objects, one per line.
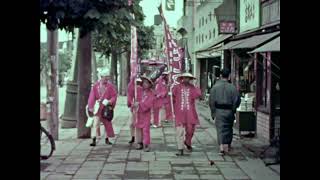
[
  {"x": 208, "y": 54},
  {"x": 251, "y": 42},
  {"x": 272, "y": 46},
  {"x": 216, "y": 42}
]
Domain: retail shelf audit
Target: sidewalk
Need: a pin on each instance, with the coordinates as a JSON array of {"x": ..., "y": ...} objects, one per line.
[
  {"x": 253, "y": 145},
  {"x": 75, "y": 159}
]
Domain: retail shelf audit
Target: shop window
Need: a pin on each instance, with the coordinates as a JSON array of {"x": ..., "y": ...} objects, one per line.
[{"x": 262, "y": 83}]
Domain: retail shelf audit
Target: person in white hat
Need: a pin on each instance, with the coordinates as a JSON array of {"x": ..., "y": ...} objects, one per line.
[
  {"x": 143, "y": 107},
  {"x": 102, "y": 94},
  {"x": 130, "y": 101},
  {"x": 186, "y": 117}
]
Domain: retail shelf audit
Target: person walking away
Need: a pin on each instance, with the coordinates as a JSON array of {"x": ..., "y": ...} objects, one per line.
[
  {"x": 103, "y": 93},
  {"x": 223, "y": 102},
  {"x": 186, "y": 117},
  {"x": 130, "y": 102},
  {"x": 143, "y": 107}
]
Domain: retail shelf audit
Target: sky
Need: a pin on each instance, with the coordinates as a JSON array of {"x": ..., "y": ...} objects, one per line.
[{"x": 149, "y": 7}]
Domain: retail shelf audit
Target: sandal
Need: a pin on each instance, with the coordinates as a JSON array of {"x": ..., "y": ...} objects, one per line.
[{"x": 221, "y": 153}]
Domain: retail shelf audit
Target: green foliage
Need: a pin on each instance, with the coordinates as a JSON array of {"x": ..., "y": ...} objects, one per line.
[
  {"x": 65, "y": 60},
  {"x": 106, "y": 39},
  {"x": 87, "y": 15}
]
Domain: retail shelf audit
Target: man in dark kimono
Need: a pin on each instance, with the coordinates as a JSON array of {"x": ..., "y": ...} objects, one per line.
[{"x": 223, "y": 101}]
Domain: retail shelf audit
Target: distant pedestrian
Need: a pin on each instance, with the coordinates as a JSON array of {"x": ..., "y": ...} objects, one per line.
[
  {"x": 223, "y": 101},
  {"x": 103, "y": 95},
  {"x": 161, "y": 93}
]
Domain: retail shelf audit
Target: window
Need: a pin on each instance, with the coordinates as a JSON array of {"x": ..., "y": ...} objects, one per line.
[
  {"x": 206, "y": 37},
  {"x": 214, "y": 33},
  {"x": 209, "y": 34},
  {"x": 262, "y": 83},
  {"x": 206, "y": 20},
  {"x": 199, "y": 23},
  {"x": 197, "y": 39},
  {"x": 202, "y": 38},
  {"x": 202, "y": 21},
  {"x": 210, "y": 16}
]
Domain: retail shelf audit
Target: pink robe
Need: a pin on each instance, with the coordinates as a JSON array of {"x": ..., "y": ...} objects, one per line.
[
  {"x": 145, "y": 99},
  {"x": 184, "y": 97},
  {"x": 161, "y": 93},
  {"x": 111, "y": 95},
  {"x": 184, "y": 104},
  {"x": 130, "y": 92}
]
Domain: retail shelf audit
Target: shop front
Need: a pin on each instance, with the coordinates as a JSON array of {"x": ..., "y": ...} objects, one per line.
[
  {"x": 267, "y": 65},
  {"x": 244, "y": 77}
]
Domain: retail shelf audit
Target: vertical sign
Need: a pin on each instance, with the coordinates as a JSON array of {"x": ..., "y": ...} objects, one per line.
[
  {"x": 249, "y": 14},
  {"x": 170, "y": 5}
]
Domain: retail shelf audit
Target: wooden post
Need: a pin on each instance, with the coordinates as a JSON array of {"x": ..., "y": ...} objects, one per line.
[
  {"x": 52, "y": 85},
  {"x": 84, "y": 85}
]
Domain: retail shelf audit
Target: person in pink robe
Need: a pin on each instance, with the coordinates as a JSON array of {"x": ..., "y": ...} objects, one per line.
[
  {"x": 161, "y": 93},
  {"x": 130, "y": 102},
  {"x": 143, "y": 107},
  {"x": 186, "y": 117},
  {"x": 104, "y": 93}
]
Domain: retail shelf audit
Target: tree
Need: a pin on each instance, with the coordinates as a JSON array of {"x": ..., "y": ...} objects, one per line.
[
  {"x": 87, "y": 15},
  {"x": 115, "y": 42}
]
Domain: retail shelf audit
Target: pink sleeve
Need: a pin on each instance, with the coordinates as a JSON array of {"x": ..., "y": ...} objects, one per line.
[
  {"x": 130, "y": 93},
  {"x": 196, "y": 92},
  {"x": 163, "y": 91},
  {"x": 92, "y": 99},
  {"x": 147, "y": 103},
  {"x": 113, "y": 95}
]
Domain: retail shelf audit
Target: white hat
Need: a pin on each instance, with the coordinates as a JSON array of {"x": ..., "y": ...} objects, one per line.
[
  {"x": 147, "y": 78},
  {"x": 104, "y": 72},
  {"x": 138, "y": 79},
  {"x": 186, "y": 74}
]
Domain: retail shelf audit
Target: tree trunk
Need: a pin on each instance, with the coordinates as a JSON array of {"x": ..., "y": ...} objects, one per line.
[
  {"x": 94, "y": 67},
  {"x": 52, "y": 87},
  {"x": 124, "y": 73},
  {"x": 113, "y": 70},
  {"x": 69, "y": 118},
  {"x": 84, "y": 85}
]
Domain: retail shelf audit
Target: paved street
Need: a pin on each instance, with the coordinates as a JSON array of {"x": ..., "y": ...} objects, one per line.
[{"x": 75, "y": 159}]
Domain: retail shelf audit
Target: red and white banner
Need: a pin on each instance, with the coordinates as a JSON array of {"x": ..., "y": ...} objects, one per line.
[
  {"x": 173, "y": 52},
  {"x": 134, "y": 52},
  {"x": 134, "y": 49}
]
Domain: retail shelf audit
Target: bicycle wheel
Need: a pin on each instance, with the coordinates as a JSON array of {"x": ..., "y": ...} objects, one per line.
[{"x": 47, "y": 145}]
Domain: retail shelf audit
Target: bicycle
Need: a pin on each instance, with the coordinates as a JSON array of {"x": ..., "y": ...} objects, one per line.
[{"x": 47, "y": 144}]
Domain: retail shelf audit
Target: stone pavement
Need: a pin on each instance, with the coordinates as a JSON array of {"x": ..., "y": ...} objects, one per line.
[{"x": 75, "y": 159}]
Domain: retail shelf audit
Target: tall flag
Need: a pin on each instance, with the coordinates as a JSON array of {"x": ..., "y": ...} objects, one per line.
[
  {"x": 134, "y": 49},
  {"x": 173, "y": 52}
]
